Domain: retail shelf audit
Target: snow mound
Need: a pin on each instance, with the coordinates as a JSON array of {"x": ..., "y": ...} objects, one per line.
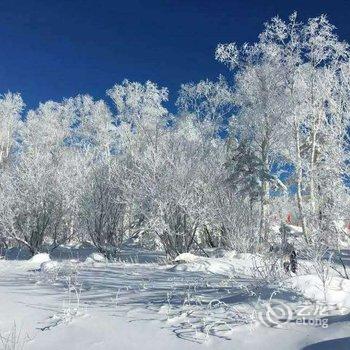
[
  {"x": 208, "y": 265},
  {"x": 230, "y": 264},
  {"x": 62, "y": 268},
  {"x": 35, "y": 262},
  {"x": 186, "y": 258},
  {"x": 95, "y": 257},
  {"x": 39, "y": 258},
  {"x": 49, "y": 266},
  {"x": 334, "y": 291}
]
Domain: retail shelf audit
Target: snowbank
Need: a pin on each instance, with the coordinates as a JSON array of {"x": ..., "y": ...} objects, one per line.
[
  {"x": 95, "y": 258},
  {"x": 186, "y": 258},
  {"x": 56, "y": 268},
  {"x": 334, "y": 291},
  {"x": 49, "y": 266},
  {"x": 228, "y": 265},
  {"x": 207, "y": 265},
  {"x": 37, "y": 260}
]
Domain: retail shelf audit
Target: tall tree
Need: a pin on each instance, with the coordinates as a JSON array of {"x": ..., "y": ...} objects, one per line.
[{"x": 11, "y": 106}]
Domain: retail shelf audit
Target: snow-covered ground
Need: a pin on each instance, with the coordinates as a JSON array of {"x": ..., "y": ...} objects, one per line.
[{"x": 140, "y": 303}]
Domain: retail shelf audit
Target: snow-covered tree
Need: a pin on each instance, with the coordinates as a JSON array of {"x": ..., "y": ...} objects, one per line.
[
  {"x": 11, "y": 106},
  {"x": 31, "y": 192},
  {"x": 75, "y": 170},
  {"x": 291, "y": 109},
  {"x": 210, "y": 102},
  {"x": 259, "y": 95}
]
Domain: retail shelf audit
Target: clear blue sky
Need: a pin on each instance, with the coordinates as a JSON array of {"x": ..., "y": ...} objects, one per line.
[{"x": 56, "y": 49}]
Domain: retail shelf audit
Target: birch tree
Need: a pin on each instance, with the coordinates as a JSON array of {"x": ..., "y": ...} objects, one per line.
[
  {"x": 288, "y": 87},
  {"x": 259, "y": 94},
  {"x": 210, "y": 102},
  {"x": 11, "y": 106}
]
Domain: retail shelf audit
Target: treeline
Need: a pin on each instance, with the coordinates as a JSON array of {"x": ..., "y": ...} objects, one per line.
[{"x": 230, "y": 163}]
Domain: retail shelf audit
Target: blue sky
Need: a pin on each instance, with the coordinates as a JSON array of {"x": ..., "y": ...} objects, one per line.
[{"x": 56, "y": 49}]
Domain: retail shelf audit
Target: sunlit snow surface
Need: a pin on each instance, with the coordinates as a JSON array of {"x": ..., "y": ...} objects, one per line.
[{"x": 183, "y": 305}]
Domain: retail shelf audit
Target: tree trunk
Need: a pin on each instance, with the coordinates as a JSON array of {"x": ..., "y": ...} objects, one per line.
[
  {"x": 313, "y": 159},
  {"x": 299, "y": 173},
  {"x": 265, "y": 196}
]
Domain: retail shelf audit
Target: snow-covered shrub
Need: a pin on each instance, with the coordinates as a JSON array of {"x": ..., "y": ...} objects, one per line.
[{"x": 268, "y": 268}]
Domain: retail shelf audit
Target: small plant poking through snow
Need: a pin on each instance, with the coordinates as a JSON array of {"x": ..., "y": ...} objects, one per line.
[
  {"x": 71, "y": 307},
  {"x": 14, "y": 339}
]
